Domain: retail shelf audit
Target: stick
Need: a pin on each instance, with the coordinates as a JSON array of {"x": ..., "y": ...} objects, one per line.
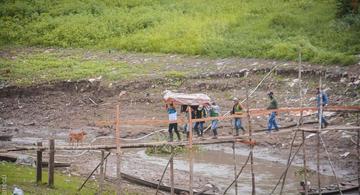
[
  {"x": 331, "y": 164},
  {"x": 238, "y": 175},
  {"x": 358, "y": 150},
  {"x": 301, "y": 123},
  {"x": 253, "y": 191},
  {"x": 118, "y": 151},
  {"x": 287, "y": 167},
  {"x": 83, "y": 184},
  {"x": 234, "y": 158},
  {"x": 191, "y": 154},
  {"x": 291, "y": 147},
  {"x": 318, "y": 141},
  {"x": 162, "y": 176},
  {"x": 51, "y": 162},
  {"x": 172, "y": 171},
  {"x": 102, "y": 176},
  {"x": 39, "y": 164},
  {"x": 93, "y": 101}
]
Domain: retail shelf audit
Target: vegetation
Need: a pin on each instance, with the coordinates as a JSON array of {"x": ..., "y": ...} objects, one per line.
[
  {"x": 34, "y": 67},
  {"x": 24, "y": 178},
  {"x": 275, "y": 29},
  {"x": 166, "y": 150}
]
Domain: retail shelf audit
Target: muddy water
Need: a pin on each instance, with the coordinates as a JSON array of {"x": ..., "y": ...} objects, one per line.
[{"x": 218, "y": 165}]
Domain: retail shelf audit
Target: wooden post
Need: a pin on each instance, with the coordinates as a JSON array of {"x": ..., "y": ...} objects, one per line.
[
  {"x": 51, "y": 162},
  {"x": 118, "y": 152},
  {"x": 101, "y": 185},
  {"x": 301, "y": 122},
  {"x": 253, "y": 191},
  {"x": 172, "y": 192},
  {"x": 235, "y": 171},
  {"x": 304, "y": 161},
  {"x": 358, "y": 149},
  {"x": 318, "y": 140},
  {"x": 191, "y": 154},
  {"x": 39, "y": 164}
]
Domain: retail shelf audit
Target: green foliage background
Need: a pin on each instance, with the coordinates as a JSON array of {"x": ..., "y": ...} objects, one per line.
[{"x": 220, "y": 28}]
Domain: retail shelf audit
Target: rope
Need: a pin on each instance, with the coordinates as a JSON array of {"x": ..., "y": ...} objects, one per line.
[
  {"x": 143, "y": 137},
  {"x": 288, "y": 166},
  {"x": 331, "y": 164},
  {"x": 238, "y": 175},
  {"x": 291, "y": 148},
  {"x": 162, "y": 176},
  {"x": 253, "y": 91}
]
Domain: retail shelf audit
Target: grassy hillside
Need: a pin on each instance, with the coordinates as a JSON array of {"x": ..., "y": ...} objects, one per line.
[{"x": 246, "y": 28}]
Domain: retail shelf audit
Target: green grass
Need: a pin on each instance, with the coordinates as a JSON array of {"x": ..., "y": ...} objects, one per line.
[
  {"x": 166, "y": 150},
  {"x": 29, "y": 68},
  {"x": 274, "y": 29},
  {"x": 24, "y": 178}
]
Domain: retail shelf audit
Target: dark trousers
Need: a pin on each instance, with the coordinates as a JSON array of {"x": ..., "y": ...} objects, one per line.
[
  {"x": 173, "y": 126},
  {"x": 199, "y": 128}
]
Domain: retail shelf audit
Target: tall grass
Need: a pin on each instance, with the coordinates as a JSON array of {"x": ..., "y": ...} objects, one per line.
[{"x": 274, "y": 29}]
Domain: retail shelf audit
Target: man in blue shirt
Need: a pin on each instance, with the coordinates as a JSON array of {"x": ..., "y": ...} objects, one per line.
[{"x": 321, "y": 100}]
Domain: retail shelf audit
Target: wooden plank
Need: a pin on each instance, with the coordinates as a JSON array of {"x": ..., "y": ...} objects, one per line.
[
  {"x": 313, "y": 130},
  {"x": 239, "y": 139}
]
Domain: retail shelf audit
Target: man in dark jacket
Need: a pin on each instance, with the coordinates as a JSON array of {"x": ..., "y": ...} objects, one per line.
[
  {"x": 199, "y": 126},
  {"x": 272, "y": 117}
]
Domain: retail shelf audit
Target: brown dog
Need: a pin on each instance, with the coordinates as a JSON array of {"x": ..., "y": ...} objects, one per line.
[{"x": 76, "y": 136}]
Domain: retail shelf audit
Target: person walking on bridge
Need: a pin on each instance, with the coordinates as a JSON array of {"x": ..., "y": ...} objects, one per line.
[
  {"x": 321, "y": 100},
  {"x": 237, "y": 109},
  {"x": 199, "y": 126},
  {"x": 173, "y": 122},
  {"x": 214, "y": 112},
  {"x": 272, "y": 117}
]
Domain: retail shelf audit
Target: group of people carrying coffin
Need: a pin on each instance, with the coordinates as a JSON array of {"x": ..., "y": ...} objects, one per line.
[{"x": 213, "y": 110}]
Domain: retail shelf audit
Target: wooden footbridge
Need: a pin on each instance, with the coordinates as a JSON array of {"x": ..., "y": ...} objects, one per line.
[{"x": 243, "y": 139}]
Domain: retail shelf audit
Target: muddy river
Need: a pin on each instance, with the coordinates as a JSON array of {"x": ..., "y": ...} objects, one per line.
[{"x": 216, "y": 165}]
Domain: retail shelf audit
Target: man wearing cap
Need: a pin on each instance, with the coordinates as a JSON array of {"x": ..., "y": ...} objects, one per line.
[
  {"x": 214, "y": 112},
  {"x": 321, "y": 100},
  {"x": 272, "y": 117},
  {"x": 199, "y": 126},
  {"x": 173, "y": 122},
  {"x": 237, "y": 109}
]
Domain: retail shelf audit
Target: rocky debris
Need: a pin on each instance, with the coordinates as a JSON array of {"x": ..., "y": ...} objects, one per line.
[{"x": 25, "y": 160}]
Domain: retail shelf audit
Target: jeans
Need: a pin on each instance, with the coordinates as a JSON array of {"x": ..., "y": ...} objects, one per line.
[
  {"x": 214, "y": 124},
  {"x": 272, "y": 122},
  {"x": 238, "y": 125},
  {"x": 323, "y": 120},
  {"x": 199, "y": 127}
]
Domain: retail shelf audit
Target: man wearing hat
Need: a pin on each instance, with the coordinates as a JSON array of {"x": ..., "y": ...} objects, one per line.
[
  {"x": 272, "y": 117},
  {"x": 199, "y": 126},
  {"x": 237, "y": 109}
]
